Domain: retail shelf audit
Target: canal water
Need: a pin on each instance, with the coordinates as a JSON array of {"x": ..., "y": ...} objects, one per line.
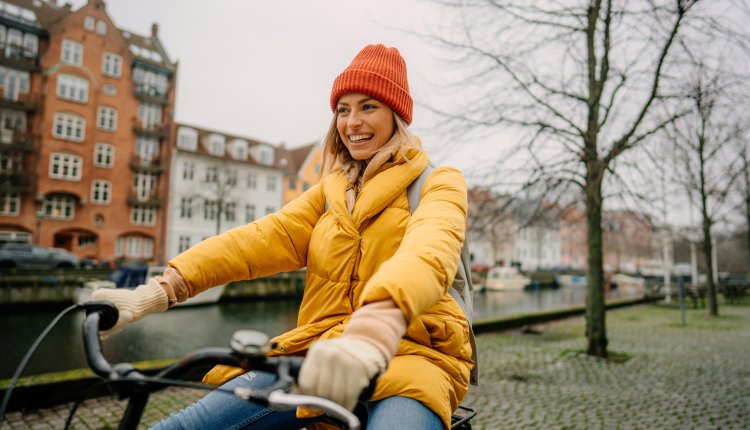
[{"x": 175, "y": 333}]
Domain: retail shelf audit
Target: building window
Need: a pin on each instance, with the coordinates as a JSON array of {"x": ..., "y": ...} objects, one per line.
[
  {"x": 317, "y": 168},
  {"x": 270, "y": 210},
  {"x": 231, "y": 177},
  {"x": 186, "y": 208},
  {"x": 9, "y": 203},
  {"x": 143, "y": 215},
  {"x": 101, "y": 192},
  {"x": 216, "y": 144},
  {"x": 59, "y": 207},
  {"x": 87, "y": 240},
  {"x": 292, "y": 184},
  {"x": 209, "y": 210},
  {"x": 249, "y": 213},
  {"x": 150, "y": 115},
  {"x": 101, "y": 27},
  {"x": 212, "y": 174},
  {"x": 104, "y": 155},
  {"x": 110, "y": 90},
  {"x": 239, "y": 149},
  {"x": 147, "y": 148},
  {"x": 71, "y": 87},
  {"x": 14, "y": 82},
  {"x": 134, "y": 246},
  {"x": 271, "y": 183},
  {"x": 65, "y": 166},
  {"x": 72, "y": 52},
  {"x": 184, "y": 244},
  {"x": 305, "y": 186},
  {"x": 188, "y": 171},
  {"x": 31, "y": 45},
  {"x": 144, "y": 185},
  {"x": 69, "y": 127},
  {"x": 10, "y": 163},
  {"x": 111, "y": 65},
  {"x": 252, "y": 180},
  {"x": 106, "y": 118},
  {"x": 230, "y": 212},
  {"x": 187, "y": 139},
  {"x": 88, "y": 23}
]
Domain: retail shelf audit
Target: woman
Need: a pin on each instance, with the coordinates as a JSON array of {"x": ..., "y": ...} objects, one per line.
[{"x": 376, "y": 296}]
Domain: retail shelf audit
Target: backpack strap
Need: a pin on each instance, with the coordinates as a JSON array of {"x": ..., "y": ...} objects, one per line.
[{"x": 461, "y": 290}]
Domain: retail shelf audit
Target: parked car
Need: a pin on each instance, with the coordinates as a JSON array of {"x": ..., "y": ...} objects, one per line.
[{"x": 23, "y": 255}]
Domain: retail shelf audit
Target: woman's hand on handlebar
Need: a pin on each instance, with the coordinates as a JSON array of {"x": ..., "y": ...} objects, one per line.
[
  {"x": 133, "y": 304},
  {"x": 340, "y": 369}
]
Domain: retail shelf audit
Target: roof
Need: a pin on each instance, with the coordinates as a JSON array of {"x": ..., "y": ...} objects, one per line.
[
  {"x": 202, "y": 151},
  {"x": 148, "y": 49},
  {"x": 47, "y": 13},
  {"x": 295, "y": 158}
]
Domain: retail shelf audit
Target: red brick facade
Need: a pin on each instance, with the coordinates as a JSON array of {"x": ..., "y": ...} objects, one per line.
[{"x": 88, "y": 188}]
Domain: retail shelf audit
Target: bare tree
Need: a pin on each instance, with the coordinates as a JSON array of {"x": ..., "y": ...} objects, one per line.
[
  {"x": 745, "y": 190},
  {"x": 705, "y": 144},
  {"x": 582, "y": 80}
]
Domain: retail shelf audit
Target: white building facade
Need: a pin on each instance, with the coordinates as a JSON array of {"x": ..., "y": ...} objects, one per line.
[{"x": 218, "y": 182}]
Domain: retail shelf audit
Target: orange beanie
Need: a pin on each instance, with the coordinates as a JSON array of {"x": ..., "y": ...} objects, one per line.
[{"x": 379, "y": 72}]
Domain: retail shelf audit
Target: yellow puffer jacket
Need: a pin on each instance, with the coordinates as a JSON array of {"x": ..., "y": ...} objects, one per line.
[{"x": 378, "y": 252}]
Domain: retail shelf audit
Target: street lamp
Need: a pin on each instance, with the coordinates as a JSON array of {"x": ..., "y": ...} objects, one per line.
[{"x": 40, "y": 215}]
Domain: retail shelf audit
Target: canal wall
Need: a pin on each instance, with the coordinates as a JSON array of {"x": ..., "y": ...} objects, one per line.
[
  {"x": 57, "y": 290},
  {"x": 50, "y": 389}
]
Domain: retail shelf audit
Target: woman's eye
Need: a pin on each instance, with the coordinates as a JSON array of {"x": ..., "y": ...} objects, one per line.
[
  {"x": 369, "y": 107},
  {"x": 342, "y": 110}
]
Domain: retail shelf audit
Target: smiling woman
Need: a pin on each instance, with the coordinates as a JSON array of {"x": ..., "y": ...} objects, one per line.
[{"x": 364, "y": 124}]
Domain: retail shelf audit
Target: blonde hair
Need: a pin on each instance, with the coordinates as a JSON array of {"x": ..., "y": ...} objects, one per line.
[{"x": 336, "y": 156}]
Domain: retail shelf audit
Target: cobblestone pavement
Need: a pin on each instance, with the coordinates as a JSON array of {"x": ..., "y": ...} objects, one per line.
[{"x": 694, "y": 377}]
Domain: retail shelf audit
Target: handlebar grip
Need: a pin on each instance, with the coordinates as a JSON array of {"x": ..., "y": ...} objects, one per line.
[{"x": 107, "y": 310}]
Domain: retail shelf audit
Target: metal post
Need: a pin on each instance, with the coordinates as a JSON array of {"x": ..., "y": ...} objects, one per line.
[
  {"x": 693, "y": 264},
  {"x": 682, "y": 301},
  {"x": 665, "y": 266}
]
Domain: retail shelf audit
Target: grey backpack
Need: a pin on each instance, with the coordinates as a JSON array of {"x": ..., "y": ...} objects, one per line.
[{"x": 462, "y": 289}]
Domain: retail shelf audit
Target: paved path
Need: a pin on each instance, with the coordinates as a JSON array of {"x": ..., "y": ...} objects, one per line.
[{"x": 695, "y": 377}]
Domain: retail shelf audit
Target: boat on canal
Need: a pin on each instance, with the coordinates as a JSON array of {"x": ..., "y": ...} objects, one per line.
[{"x": 502, "y": 278}]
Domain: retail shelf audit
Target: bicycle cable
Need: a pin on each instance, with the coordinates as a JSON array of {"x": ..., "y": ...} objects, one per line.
[{"x": 27, "y": 357}]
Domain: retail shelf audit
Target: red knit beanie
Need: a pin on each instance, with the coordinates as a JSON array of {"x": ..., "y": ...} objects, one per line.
[{"x": 379, "y": 72}]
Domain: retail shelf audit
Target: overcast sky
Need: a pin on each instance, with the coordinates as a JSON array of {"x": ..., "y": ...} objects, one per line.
[{"x": 264, "y": 69}]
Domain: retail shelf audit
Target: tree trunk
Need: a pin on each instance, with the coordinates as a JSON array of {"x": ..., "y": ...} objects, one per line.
[
  {"x": 746, "y": 172},
  {"x": 713, "y": 307},
  {"x": 596, "y": 330}
]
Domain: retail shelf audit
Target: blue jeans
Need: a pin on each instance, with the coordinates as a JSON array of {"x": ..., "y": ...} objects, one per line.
[{"x": 220, "y": 410}]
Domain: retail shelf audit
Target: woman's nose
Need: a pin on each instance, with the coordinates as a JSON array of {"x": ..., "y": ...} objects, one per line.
[{"x": 354, "y": 120}]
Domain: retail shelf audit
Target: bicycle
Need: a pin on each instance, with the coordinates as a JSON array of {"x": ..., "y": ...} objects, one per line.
[{"x": 247, "y": 350}]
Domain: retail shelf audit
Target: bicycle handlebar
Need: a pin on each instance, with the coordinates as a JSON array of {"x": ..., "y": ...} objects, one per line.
[{"x": 103, "y": 315}]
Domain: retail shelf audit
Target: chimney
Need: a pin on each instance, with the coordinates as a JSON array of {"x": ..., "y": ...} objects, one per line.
[{"x": 154, "y": 30}]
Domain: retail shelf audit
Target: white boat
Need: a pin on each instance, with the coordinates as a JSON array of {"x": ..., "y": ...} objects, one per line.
[
  {"x": 210, "y": 296},
  {"x": 575, "y": 281},
  {"x": 501, "y": 278}
]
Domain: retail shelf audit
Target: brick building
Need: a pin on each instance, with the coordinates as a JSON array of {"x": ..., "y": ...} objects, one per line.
[{"x": 86, "y": 111}]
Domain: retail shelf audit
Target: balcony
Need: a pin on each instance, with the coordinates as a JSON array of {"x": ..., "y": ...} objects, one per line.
[
  {"x": 18, "y": 101},
  {"x": 15, "y": 141},
  {"x": 139, "y": 164},
  {"x": 14, "y": 181},
  {"x": 19, "y": 58},
  {"x": 160, "y": 131},
  {"x": 151, "y": 199},
  {"x": 150, "y": 94}
]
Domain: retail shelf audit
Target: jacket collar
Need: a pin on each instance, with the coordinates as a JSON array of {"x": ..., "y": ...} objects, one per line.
[{"x": 390, "y": 181}]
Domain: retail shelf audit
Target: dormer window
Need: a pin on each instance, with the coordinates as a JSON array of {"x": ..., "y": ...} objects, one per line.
[
  {"x": 239, "y": 149},
  {"x": 263, "y": 154},
  {"x": 88, "y": 23},
  {"x": 216, "y": 144},
  {"x": 187, "y": 139}
]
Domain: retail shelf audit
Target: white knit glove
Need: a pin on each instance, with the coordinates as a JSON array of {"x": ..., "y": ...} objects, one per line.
[
  {"x": 339, "y": 369},
  {"x": 133, "y": 304}
]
